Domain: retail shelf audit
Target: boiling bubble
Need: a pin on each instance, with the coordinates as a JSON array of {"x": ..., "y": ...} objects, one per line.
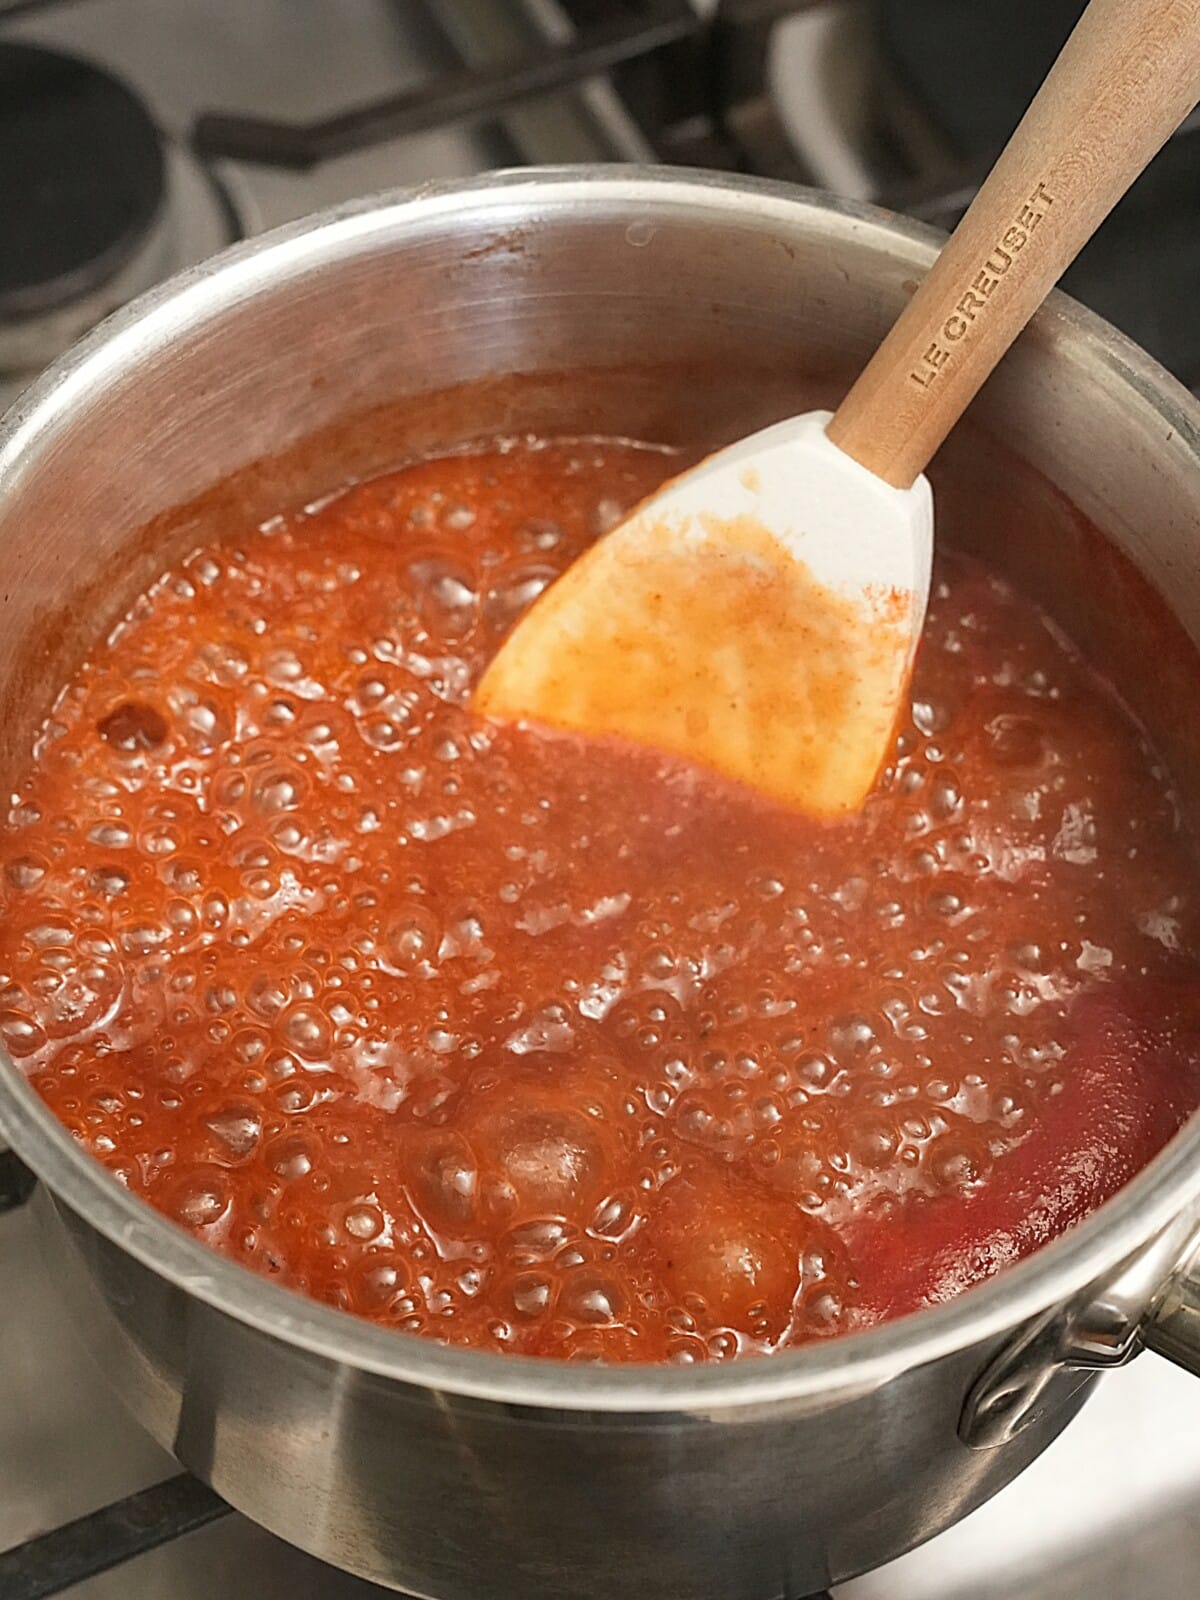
[
  {"x": 200, "y": 1197},
  {"x": 236, "y": 1128}
]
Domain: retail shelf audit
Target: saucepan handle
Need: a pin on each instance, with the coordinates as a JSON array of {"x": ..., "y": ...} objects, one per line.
[
  {"x": 1151, "y": 1302},
  {"x": 1173, "y": 1326}
]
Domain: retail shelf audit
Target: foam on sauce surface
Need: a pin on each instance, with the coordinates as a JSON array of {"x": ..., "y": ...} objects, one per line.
[{"x": 566, "y": 1048}]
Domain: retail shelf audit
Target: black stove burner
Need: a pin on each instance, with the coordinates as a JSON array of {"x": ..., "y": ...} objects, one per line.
[{"x": 82, "y": 179}]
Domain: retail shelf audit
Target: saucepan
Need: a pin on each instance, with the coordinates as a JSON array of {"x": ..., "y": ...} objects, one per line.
[{"x": 684, "y": 308}]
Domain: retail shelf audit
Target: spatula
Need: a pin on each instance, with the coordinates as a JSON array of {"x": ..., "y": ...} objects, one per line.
[{"x": 759, "y": 614}]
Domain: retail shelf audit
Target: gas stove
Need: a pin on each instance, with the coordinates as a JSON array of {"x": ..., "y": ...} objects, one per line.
[{"x": 139, "y": 136}]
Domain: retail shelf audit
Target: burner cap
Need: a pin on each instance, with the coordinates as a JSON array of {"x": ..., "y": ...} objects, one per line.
[{"x": 82, "y": 177}]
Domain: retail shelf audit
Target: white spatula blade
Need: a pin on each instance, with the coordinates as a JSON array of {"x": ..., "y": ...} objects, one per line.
[{"x": 758, "y": 615}]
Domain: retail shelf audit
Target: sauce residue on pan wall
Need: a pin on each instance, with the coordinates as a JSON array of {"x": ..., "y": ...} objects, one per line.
[{"x": 565, "y": 1048}]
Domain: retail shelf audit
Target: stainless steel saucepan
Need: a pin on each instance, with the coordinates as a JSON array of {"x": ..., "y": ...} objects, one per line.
[{"x": 674, "y": 307}]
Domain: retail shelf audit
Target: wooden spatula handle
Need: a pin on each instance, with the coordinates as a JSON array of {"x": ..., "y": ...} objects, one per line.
[{"x": 1125, "y": 80}]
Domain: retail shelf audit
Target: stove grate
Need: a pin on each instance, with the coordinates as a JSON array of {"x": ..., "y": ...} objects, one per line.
[
  {"x": 695, "y": 80},
  {"x": 466, "y": 93},
  {"x": 104, "y": 1539}
]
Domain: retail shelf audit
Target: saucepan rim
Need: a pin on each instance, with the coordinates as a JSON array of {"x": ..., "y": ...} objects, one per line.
[{"x": 859, "y": 1361}]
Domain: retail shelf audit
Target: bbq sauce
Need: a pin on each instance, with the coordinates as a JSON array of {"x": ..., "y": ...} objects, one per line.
[{"x": 535, "y": 1044}]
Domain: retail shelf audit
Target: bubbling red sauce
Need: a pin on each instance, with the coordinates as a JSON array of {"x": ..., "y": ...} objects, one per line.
[{"x": 566, "y": 1048}]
